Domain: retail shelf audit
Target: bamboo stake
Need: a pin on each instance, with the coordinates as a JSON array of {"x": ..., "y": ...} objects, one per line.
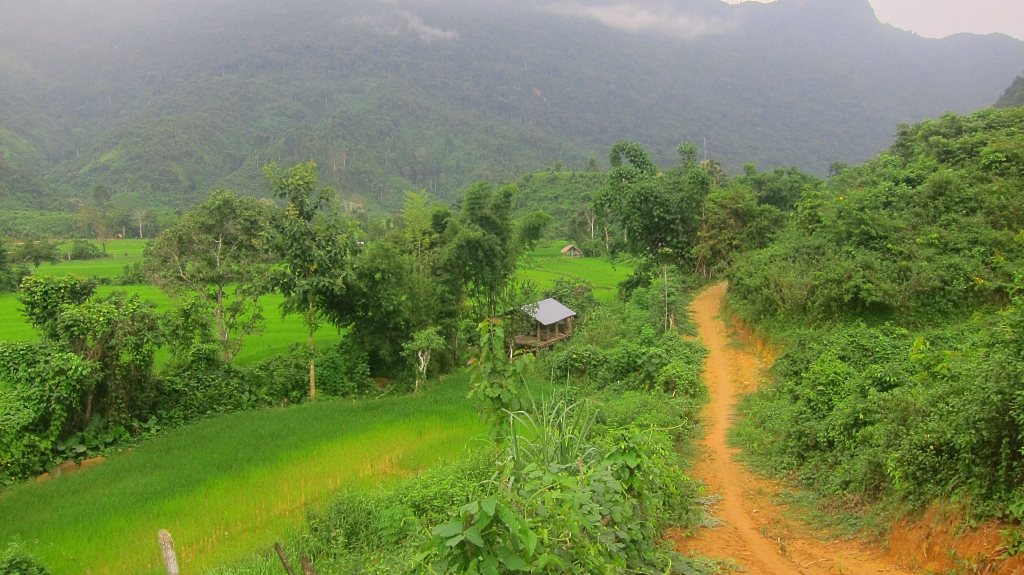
[
  {"x": 280, "y": 553},
  {"x": 167, "y": 549}
]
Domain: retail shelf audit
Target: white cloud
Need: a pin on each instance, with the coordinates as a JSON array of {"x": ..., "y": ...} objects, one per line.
[
  {"x": 657, "y": 18},
  {"x": 425, "y": 32}
]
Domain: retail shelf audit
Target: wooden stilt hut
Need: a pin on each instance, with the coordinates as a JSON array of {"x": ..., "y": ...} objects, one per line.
[{"x": 552, "y": 323}]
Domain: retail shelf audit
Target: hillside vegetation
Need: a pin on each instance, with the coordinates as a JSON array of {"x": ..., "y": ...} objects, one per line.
[
  {"x": 897, "y": 295},
  {"x": 163, "y": 102}
]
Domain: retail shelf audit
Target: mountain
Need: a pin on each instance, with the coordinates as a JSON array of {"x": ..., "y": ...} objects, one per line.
[{"x": 165, "y": 100}]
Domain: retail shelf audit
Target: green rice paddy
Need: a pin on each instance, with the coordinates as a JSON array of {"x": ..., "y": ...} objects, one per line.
[
  {"x": 545, "y": 264},
  {"x": 230, "y": 485}
]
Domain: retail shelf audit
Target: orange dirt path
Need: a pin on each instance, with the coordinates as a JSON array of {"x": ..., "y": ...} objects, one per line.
[{"x": 754, "y": 532}]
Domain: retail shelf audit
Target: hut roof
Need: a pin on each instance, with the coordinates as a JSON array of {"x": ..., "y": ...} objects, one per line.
[
  {"x": 548, "y": 311},
  {"x": 569, "y": 247}
]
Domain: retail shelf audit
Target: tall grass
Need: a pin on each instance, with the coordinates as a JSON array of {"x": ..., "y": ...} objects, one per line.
[{"x": 228, "y": 486}]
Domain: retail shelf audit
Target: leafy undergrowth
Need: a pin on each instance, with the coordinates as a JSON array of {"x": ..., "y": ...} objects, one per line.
[{"x": 228, "y": 485}]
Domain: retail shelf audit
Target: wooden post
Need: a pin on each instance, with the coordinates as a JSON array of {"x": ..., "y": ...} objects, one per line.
[
  {"x": 167, "y": 549},
  {"x": 280, "y": 553},
  {"x": 307, "y": 567},
  {"x": 570, "y": 325}
]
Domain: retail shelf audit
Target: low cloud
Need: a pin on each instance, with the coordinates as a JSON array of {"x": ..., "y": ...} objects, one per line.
[
  {"x": 426, "y": 33},
  {"x": 658, "y": 18}
]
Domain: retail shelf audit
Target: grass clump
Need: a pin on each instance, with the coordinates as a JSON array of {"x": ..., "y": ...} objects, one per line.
[{"x": 15, "y": 560}]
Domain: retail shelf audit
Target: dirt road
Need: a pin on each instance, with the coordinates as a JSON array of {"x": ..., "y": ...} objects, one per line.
[{"x": 754, "y": 531}]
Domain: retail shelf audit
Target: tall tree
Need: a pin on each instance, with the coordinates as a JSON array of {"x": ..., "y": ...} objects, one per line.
[
  {"x": 315, "y": 247},
  {"x": 220, "y": 252},
  {"x": 660, "y": 212}
]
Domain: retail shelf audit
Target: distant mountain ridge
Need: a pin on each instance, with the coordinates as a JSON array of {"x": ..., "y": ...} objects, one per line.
[{"x": 163, "y": 101}]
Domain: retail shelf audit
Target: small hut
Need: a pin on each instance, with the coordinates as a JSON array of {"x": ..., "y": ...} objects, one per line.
[
  {"x": 552, "y": 322},
  {"x": 571, "y": 251}
]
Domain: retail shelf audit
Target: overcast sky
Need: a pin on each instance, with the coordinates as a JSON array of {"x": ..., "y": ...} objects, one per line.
[{"x": 939, "y": 18}]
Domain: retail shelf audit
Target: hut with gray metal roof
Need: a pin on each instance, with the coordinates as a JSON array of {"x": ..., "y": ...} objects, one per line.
[{"x": 552, "y": 322}]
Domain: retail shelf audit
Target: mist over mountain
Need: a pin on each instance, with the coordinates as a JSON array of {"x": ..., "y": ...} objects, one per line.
[{"x": 165, "y": 100}]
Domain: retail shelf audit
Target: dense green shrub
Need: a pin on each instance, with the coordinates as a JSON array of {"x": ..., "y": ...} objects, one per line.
[
  {"x": 575, "y": 293},
  {"x": 43, "y": 299},
  {"x": 121, "y": 333},
  {"x": 285, "y": 378},
  {"x": 380, "y": 531},
  {"x": 132, "y": 275},
  {"x": 877, "y": 412},
  {"x": 566, "y": 502},
  {"x": 625, "y": 345},
  {"x": 42, "y": 393},
  {"x": 85, "y": 250}
]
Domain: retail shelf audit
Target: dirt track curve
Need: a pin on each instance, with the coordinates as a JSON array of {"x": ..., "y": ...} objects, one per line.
[{"x": 754, "y": 531}]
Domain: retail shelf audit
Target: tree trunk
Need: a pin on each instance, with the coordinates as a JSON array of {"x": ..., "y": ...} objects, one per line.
[
  {"x": 222, "y": 332},
  {"x": 312, "y": 358}
]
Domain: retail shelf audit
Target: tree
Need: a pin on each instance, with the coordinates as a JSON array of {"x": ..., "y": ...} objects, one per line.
[
  {"x": 418, "y": 349},
  {"x": 219, "y": 252},
  {"x": 120, "y": 220},
  {"x": 121, "y": 333},
  {"x": 314, "y": 246},
  {"x": 35, "y": 253},
  {"x": 94, "y": 222},
  {"x": 660, "y": 212},
  {"x": 420, "y": 241},
  {"x": 7, "y": 283},
  {"x": 138, "y": 218}
]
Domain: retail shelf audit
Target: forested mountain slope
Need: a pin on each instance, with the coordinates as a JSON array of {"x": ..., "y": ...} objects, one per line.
[
  {"x": 164, "y": 100},
  {"x": 1014, "y": 95}
]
